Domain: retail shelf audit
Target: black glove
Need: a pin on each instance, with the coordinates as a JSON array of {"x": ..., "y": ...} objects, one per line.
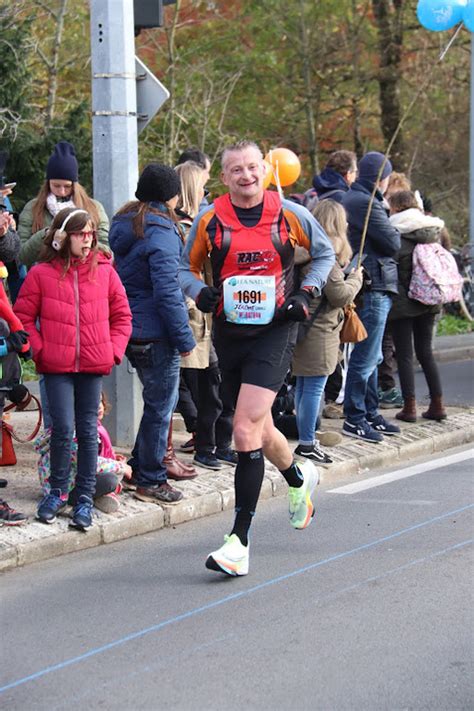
[
  {"x": 16, "y": 341},
  {"x": 296, "y": 307},
  {"x": 26, "y": 355},
  {"x": 208, "y": 298}
]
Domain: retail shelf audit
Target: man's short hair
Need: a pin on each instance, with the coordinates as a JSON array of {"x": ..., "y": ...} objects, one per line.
[
  {"x": 342, "y": 161},
  {"x": 239, "y": 146},
  {"x": 195, "y": 155}
]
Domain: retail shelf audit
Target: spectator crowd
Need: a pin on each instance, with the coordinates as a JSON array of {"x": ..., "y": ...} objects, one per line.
[{"x": 231, "y": 312}]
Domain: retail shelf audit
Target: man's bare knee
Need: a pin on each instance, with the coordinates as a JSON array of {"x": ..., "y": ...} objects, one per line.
[{"x": 247, "y": 435}]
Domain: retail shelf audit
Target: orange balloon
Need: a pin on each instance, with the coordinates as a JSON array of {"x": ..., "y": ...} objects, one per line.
[
  {"x": 268, "y": 174},
  {"x": 286, "y": 163}
]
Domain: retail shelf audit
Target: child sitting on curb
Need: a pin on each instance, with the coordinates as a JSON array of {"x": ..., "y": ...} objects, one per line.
[{"x": 111, "y": 467}]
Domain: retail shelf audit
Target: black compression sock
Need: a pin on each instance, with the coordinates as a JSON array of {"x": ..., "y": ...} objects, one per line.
[
  {"x": 293, "y": 476},
  {"x": 248, "y": 482}
]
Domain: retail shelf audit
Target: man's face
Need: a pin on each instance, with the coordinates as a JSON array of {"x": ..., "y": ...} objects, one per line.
[
  {"x": 243, "y": 173},
  {"x": 351, "y": 175}
]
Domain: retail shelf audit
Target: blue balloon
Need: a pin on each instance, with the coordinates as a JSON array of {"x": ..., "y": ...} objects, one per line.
[
  {"x": 468, "y": 15},
  {"x": 439, "y": 15}
]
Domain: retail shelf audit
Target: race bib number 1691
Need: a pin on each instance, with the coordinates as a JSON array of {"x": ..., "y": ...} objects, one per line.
[{"x": 249, "y": 299}]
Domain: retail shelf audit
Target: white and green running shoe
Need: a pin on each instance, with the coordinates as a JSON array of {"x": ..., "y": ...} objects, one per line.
[
  {"x": 232, "y": 558},
  {"x": 301, "y": 506}
]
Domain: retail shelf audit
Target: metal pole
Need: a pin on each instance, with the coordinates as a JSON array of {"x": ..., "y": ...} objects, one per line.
[
  {"x": 115, "y": 161},
  {"x": 471, "y": 171}
]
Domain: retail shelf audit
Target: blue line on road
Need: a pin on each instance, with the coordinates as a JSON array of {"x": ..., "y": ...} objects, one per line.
[
  {"x": 174, "y": 659},
  {"x": 224, "y": 600}
]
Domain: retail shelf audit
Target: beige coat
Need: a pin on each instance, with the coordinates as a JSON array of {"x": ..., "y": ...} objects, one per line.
[
  {"x": 201, "y": 323},
  {"x": 317, "y": 354}
]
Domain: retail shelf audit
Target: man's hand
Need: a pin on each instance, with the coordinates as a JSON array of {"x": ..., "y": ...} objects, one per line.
[
  {"x": 208, "y": 298},
  {"x": 296, "y": 307}
]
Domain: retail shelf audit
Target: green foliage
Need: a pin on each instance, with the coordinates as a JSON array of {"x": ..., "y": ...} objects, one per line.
[
  {"x": 302, "y": 74},
  {"x": 23, "y": 132},
  {"x": 450, "y": 325},
  {"x": 29, "y": 370}
]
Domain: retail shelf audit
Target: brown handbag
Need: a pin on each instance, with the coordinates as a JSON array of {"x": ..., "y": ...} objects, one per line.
[{"x": 353, "y": 330}]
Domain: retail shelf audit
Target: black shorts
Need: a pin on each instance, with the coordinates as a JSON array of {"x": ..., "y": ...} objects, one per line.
[{"x": 257, "y": 360}]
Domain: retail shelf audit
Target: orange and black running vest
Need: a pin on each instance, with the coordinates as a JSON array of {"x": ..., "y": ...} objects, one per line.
[{"x": 263, "y": 250}]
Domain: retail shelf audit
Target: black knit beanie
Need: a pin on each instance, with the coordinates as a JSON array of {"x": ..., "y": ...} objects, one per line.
[
  {"x": 63, "y": 163},
  {"x": 157, "y": 183}
]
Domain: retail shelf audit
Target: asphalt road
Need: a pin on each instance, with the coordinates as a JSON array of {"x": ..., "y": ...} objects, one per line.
[
  {"x": 369, "y": 608},
  {"x": 457, "y": 379}
]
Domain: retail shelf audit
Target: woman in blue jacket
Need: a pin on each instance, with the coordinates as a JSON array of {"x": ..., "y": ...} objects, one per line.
[{"x": 147, "y": 246}]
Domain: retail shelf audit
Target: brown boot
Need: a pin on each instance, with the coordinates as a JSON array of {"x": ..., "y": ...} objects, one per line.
[
  {"x": 408, "y": 414},
  {"x": 175, "y": 468},
  {"x": 436, "y": 410}
]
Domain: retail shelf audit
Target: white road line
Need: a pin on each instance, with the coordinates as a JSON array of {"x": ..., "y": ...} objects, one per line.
[{"x": 402, "y": 473}]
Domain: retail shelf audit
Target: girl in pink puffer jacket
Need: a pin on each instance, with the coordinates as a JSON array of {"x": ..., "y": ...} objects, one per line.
[{"x": 75, "y": 309}]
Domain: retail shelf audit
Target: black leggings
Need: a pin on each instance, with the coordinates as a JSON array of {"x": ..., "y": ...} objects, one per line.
[{"x": 419, "y": 330}]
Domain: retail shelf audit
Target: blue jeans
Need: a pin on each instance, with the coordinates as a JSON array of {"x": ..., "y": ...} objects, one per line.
[
  {"x": 74, "y": 398},
  {"x": 44, "y": 403},
  {"x": 308, "y": 394},
  {"x": 361, "y": 397},
  {"x": 15, "y": 280},
  {"x": 160, "y": 379}
]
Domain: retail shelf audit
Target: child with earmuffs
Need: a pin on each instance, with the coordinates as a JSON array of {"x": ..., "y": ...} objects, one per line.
[{"x": 76, "y": 312}]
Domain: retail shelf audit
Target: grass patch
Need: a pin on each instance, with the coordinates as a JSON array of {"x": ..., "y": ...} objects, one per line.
[{"x": 450, "y": 325}]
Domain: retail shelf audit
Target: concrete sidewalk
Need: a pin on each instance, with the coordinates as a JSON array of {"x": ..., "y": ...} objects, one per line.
[{"x": 212, "y": 492}]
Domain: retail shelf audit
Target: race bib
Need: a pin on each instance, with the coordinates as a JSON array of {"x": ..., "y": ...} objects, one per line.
[{"x": 249, "y": 299}]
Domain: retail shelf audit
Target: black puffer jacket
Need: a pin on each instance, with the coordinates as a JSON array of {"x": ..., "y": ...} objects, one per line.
[
  {"x": 382, "y": 240},
  {"x": 416, "y": 228}
]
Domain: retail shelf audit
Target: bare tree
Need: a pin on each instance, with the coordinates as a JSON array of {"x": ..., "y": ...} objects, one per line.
[
  {"x": 388, "y": 16},
  {"x": 57, "y": 16}
]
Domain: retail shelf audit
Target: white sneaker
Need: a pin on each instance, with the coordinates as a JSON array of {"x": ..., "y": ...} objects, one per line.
[
  {"x": 232, "y": 558},
  {"x": 301, "y": 507}
]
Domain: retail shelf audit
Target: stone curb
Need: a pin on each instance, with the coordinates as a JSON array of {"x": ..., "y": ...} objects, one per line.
[
  {"x": 447, "y": 355},
  {"x": 350, "y": 458}
]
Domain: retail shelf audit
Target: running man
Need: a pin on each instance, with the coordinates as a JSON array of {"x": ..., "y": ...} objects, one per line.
[{"x": 250, "y": 235}]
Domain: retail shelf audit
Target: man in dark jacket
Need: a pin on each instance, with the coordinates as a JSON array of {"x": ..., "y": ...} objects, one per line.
[
  {"x": 381, "y": 245},
  {"x": 337, "y": 177}
]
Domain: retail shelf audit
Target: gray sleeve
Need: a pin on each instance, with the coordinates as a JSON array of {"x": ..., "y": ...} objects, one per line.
[{"x": 9, "y": 246}]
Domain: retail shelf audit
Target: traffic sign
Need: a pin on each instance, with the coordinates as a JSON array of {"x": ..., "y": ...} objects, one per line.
[{"x": 151, "y": 94}]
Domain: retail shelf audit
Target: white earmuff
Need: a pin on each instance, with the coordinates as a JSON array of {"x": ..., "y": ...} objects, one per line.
[{"x": 61, "y": 234}]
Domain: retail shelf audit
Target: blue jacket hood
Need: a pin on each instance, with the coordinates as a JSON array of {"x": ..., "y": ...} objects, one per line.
[{"x": 329, "y": 180}]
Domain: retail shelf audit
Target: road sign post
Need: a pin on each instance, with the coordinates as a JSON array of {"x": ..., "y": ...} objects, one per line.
[{"x": 115, "y": 159}]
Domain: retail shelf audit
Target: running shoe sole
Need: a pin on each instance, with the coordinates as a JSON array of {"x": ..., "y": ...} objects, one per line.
[
  {"x": 221, "y": 567},
  {"x": 314, "y": 479},
  {"x": 311, "y": 457}
]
